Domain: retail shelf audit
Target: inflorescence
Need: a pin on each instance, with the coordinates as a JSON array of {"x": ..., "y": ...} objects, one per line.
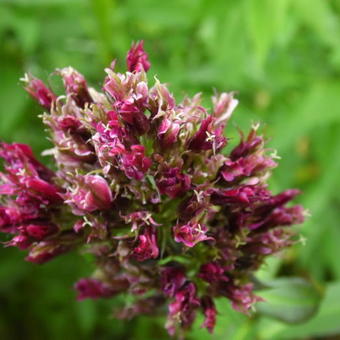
[{"x": 143, "y": 184}]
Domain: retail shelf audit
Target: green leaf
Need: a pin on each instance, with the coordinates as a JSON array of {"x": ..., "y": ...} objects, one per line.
[
  {"x": 269, "y": 269},
  {"x": 324, "y": 323},
  {"x": 291, "y": 300}
]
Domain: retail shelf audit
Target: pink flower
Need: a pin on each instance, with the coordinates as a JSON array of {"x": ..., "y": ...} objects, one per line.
[
  {"x": 190, "y": 234},
  {"x": 172, "y": 279},
  {"x": 129, "y": 96},
  {"x": 161, "y": 101},
  {"x": 173, "y": 183},
  {"x": 20, "y": 241},
  {"x": 247, "y": 146},
  {"x": 137, "y": 59},
  {"x": 138, "y": 219},
  {"x": 224, "y": 105},
  {"x": 45, "y": 251},
  {"x": 89, "y": 288},
  {"x": 194, "y": 205},
  {"x": 147, "y": 245},
  {"x": 246, "y": 167},
  {"x": 242, "y": 297},
  {"x": 183, "y": 307},
  {"x": 108, "y": 143},
  {"x": 31, "y": 233},
  {"x": 248, "y": 159},
  {"x": 134, "y": 117},
  {"x": 75, "y": 85},
  {"x": 26, "y": 177},
  {"x": 17, "y": 212},
  {"x": 208, "y": 137},
  {"x": 134, "y": 163},
  {"x": 39, "y": 230},
  {"x": 19, "y": 158},
  {"x": 210, "y": 312},
  {"x": 268, "y": 242},
  {"x": 5, "y": 218},
  {"x": 167, "y": 132},
  {"x": 92, "y": 193},
  {"x": 212, "y": 272},
  {"x": 38, "y": 90},
  {"x": 42, "y": 189},
  {"x": 243, "y": 194}
]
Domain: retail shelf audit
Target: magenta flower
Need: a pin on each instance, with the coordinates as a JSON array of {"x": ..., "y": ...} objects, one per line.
[
  {"x": 134, "y": 163},
  {"x": 242, "y": 297},
  {"x": 139, "y": 219},
  {"x": 5, "y": 217},
  {"x": 144, "y": 185},
  {"x": 183, "y": 307},
  {"x": 75, "y": 86},
  {"x": 91, "y": 193},
  {"x": 168, "y": 132},
  {"x": 208, "y": 137},
  {"x": 173, "y": 278},
  {"x": 213, "y": 272},
  {"x": 137, "y": 59},
  {"x": 92, "y": 289},
  {"x": 147, "y": 245},
  {"x": 46, "y": 250},
  {"x": 20, "y": 241},
  {"x": 38, "y": 90},
  {"x": 210, "y": 313},
  {"x": 39, "y": 231},
  {"x": 173, "y": 183},
  {"x": 190, "y": 234}
]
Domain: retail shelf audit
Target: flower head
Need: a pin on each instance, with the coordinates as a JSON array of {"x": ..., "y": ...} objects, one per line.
[{"x": 143, "y": 184}]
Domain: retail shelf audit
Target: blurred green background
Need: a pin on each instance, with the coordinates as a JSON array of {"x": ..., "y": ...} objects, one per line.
[{"x": 283, "y": 59}]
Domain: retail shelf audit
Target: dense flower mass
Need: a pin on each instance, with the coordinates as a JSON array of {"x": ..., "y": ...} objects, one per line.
[{"x": 144, "y": 184}]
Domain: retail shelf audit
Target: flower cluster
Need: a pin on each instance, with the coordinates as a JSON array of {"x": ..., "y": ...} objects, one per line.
[{"x": 143, "y": 183}]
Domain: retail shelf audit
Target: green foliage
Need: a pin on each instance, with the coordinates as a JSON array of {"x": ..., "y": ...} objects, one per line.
[
  {"x": 283, "y": 59},
  {"x": 291, "y": 300},
  {"x": 325, "y": 322}
]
